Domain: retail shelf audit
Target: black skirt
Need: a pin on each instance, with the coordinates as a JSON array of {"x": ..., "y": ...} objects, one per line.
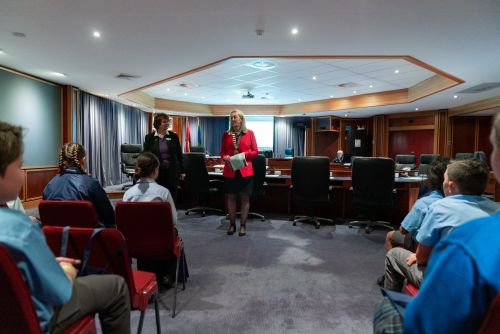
[{"x": 239, "y": 184}]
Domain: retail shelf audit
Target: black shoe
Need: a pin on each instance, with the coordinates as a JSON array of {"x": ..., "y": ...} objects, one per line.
[
  {"x": 243, "y": 231},
  {"x": 381, "y": 281},
  {"x": 232, "y": 229}
]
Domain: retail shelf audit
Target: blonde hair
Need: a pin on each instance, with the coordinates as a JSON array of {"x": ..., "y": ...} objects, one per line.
[
  {"x": 243, "y": 121},
  {"x": 70, "y": 156}
]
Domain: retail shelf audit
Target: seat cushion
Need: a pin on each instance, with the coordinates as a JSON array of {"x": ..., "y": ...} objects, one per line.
[{"x": 145, "y": 285}]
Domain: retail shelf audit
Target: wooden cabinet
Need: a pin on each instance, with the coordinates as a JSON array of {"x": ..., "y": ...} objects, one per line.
[{"x": 327, "y": 123}]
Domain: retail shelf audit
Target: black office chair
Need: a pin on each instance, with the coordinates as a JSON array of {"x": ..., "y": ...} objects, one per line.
[
  {"x": 405, "y": 161},
  {"x": 310, "y": 186},
  {"x": 480, "y": 155},
  {"x": 464, "y": 156},
  {"x": 199, "y": 149},
  {"x": 425, "y": 163},
  {"x": 197, "y": 182},
  {"x": 129, "y": 154},
  {"x": 373, "y": 189}
]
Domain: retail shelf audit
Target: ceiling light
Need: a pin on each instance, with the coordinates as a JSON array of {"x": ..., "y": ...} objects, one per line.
[
  {"x": 345, "y": 115},
  {"x": 185, "y": 94},
  {"x": 354, "y": 92},
  {"x": 455, "y": 96},
  {"x": 263, "y": 65},
  {"x": 299, "y": 100},
  {"x": 396, "y": 71},
  {"x": 168, "y": 89},
  {"x": 416, "y": 109},
  {"x": 96, "y": 34},
  {"x": 203, "y": 97},
  {"x": 2, "y": 52},
  {"x": 314, "y": 78},
  {"x": 295, "y": 31},
  {"x": 331, "y": 96},
  {"x": 134, "y": 104},
  {"x": 371, "y": 86},
  {"x": 58, "y": 74}
]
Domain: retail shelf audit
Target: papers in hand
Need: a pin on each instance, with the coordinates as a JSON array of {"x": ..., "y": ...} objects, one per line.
[{"x": 238, "y": 161}]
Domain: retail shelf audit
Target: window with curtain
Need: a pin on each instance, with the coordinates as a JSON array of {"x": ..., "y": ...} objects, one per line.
[
  {"x": 102, "y": 126},
  {"x": 287, "y": 135},
  {"x": 263, "y": 128}
]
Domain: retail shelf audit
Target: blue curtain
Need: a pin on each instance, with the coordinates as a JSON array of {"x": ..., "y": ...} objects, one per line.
[
  {"x": 103, "y": 126},
  {"x": 285, "y": 135},
  {"x": 207, "y": 132}
]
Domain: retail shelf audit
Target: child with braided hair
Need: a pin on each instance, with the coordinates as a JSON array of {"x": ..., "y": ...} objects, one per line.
[{"x": 73, "y": 183}]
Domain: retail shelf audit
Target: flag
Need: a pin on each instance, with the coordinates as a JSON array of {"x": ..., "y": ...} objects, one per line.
[
  {"x": 188, "y": 136},
  {"x": 199, "y": 133}
]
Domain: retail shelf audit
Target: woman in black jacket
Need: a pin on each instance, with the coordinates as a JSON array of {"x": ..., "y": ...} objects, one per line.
[{"x": 166, "y": 146}]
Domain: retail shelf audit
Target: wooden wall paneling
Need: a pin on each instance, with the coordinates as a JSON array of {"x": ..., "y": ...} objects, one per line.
[
  {"x": 463, "y": 135},
  {"x": 326, "y": 143},
  {"x": 36, "y": 180},
  {"x": 309, "y": 141},
  {"x": 483, "y": 126},
  {"x": 411, "y": 142},
  {"x": 380, "y": 134},
  {"x": 441, "y": 133}
]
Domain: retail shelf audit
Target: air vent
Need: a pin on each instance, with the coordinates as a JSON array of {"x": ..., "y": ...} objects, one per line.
[
  {"x": 349, "y": 85},
  {"x": 480, "y": 88},
  {"x": 126, "y": 76},
  {"x": 188, "y": 85}
]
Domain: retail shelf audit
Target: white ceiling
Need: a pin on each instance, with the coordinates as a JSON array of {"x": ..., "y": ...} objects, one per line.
[
  {"x": 158, "y": 39},
  {"x": 286, "y": 81}
]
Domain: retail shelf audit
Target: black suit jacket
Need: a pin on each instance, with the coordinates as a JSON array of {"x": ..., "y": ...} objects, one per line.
[{"x": 152, "y": 144}]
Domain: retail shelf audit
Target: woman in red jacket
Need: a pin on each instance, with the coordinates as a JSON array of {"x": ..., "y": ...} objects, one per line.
[{"x": 238, "y": 139}]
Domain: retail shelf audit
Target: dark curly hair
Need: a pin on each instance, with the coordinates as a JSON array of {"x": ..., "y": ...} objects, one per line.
[{"x": 435, "y": 174}]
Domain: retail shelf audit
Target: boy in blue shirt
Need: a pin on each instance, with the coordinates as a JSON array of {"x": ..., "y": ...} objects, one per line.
[{"x": 58, "y": 296}]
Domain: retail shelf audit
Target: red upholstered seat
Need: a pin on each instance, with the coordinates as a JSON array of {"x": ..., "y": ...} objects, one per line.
[
  {"x": 491, "y": 323},
  {"x": 68, "y": 213},
  {"x": 110, "y": 244},
  {"x": 411, "y": 289},
  {"x": 150, "y": 233},
  {"x": 17, "y": 312}
]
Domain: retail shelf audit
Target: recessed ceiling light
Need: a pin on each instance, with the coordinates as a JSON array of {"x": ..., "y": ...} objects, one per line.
[
  {"x": 455, "y": 96},
  {"x": 371, "y": 86},
  {"x": 168, "y": 89},
  {"x": 185, "y": 94},
  {"x": 345, "y": 115},
  {"x": 416, "y": 109},
  {"x": 2, "y": 52},
  {"x": 263, "y": 65},
  {"x": 299, "y": 100},
  {"x": 354, "y": 92},
  {"x": 331, "y": 96},
  {"x": 58, "y": 74},
  {"x": 96, "y": 34},
  {"x": 238, "y": 92},
  {"x": 396, "y": 71},
  {"x": 295, "y": 31},
  {"x": 134, "y": 104},
  {"x": 314, "y": 78},
  {"x": 19, "y": 34},
  {"x": 203, "y": 97}
]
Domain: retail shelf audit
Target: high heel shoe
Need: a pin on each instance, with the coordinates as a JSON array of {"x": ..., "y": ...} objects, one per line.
[
  {"x": 232, "y": 229},
  {"x": 243, "y": 231}
]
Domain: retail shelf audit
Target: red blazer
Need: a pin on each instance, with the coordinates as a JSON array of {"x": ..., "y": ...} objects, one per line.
[{"x": 248, "y": 145}]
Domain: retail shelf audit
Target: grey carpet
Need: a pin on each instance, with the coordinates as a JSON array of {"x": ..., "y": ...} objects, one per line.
[{"x": 277, "y": 279}]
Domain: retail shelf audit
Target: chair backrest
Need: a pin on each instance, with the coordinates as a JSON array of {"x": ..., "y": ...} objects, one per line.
[
  {"x": 405, "y": 160},
  {"x": 259, "y": 175},
  {"x": 288, "y": 152},
  {"x": 464, "y": 155},
  {"x": 480, "y": 155},
  {"x": 147, "y": 227},
  {"x": 199, "y": 149},
  {"x": 108, "y": 250},
  {"x": 17, "y": 312},
  {"x": 196, "y": 180},
  {"x": 311, "y": 178},
  {"x": 491, "y": 322},
  {"x": 425, "y": 163},
  {"x": 68, "y": 213},
  {"x": 129, "y": 154},
  {"x": 373, "y": 182}
]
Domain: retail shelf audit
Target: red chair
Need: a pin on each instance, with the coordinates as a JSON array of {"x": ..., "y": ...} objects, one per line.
[
  {"x": 17, "y": 312},
  {"x": 150, "y": 233},
  {"x": 109, "y": 251},
  {"x": 491, "y": 323},
  {"x": 411, "y": 289},
  {"x": 68, "y": 213}
]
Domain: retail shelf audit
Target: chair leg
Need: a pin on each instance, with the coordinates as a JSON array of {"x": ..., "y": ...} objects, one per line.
[
  {"x": 141, "y": 322},
  {"x": 157, "y": 315},
  {"x": 369, "y": 225},
  {"x": 175, "y": 286},
  {"x": 184, "y": 269}
]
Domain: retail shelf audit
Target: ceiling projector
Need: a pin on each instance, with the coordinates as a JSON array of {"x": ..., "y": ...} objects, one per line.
[{"x": 248, "y": 95}]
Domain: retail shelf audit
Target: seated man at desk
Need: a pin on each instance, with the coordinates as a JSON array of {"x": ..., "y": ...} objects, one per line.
[{"x": 340, "y": 158}]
